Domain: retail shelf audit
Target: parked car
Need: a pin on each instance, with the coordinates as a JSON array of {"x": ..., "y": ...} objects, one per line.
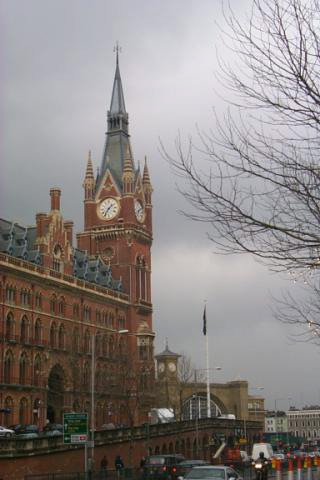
[
  {"x": 25, "y": 429},
  {"x": 6, "y": 432},
  {"x": 214, "y": 472},
  {"x": 53, "y": 429},
  {"x": 160, "y": 467},
  {"x": 184, "y": 467}
]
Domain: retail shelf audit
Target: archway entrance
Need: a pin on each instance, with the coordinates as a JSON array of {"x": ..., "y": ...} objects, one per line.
[
  {"x": 196, "y": 407},
  {"x": 55, "y": 395}
]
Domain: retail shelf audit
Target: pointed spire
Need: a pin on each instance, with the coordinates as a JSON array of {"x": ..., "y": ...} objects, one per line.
[
  {"x": 89, "y": 181},
  {"x": 89, "y": 170},
  {"x": 146, "y": 176},
  {"x": 128, "y": 172},
  {"x": 147, "y": 187},
  {"x": 117, "y": 100}
]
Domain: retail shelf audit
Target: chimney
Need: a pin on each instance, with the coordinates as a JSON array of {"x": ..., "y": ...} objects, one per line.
[
  {"x": 68, "y": 225},
  {"x": 55, "y": 194},
  {"x": 41, "y": 224}
]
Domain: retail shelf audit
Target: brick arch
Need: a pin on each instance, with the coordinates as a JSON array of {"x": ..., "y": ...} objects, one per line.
[
  {"x": 56, "y": 388},
  {"x": 24, "y": 410},
  {"x": 8, "y": 417}
]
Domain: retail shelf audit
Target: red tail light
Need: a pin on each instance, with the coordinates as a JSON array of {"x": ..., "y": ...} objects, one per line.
[
  {"x": 164, "y": 469},
  {"x": 174, "y": 469}
]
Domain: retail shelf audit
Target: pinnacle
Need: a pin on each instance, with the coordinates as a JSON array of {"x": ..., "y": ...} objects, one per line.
[{"x": 89, "y": 170}]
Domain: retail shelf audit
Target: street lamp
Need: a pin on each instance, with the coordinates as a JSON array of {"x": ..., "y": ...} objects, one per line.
[{"x": 195, "y": 398}]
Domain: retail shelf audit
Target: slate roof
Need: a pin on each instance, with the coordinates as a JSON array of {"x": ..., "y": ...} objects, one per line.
[{"x": 19, "y": 242}]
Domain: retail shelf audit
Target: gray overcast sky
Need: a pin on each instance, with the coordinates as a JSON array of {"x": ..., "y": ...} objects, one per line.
[{"x": 57, "y": 74}]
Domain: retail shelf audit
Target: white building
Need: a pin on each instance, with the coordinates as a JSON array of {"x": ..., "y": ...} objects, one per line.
[{"x": 304, "y": 423}]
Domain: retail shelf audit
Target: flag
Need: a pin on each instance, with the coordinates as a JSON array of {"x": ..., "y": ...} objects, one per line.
[{"x": 204, "y": 330}]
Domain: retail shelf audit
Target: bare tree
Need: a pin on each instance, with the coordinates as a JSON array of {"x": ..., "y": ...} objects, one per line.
[
  {"x": 255, "y": 177},
  {"x": 187, "y": 371}
]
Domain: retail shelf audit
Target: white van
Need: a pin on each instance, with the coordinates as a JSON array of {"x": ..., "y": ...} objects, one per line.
[{"x": 266, "y": 448}]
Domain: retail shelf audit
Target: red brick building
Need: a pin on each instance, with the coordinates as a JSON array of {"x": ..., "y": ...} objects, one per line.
[{"x": 74, "y": 315}]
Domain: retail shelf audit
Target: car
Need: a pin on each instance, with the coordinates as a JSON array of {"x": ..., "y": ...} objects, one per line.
[
  {"x": 160, "y": 467},
  {"x": 214, "y": 472},
  {"x": 6, "y": 432},
  {"x": 182, "y": 468},
  {"x": 25, "y": 429},
  {"x": 53, "y": 429}
]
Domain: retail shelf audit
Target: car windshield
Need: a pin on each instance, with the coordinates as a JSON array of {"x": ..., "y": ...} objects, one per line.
[
  {"x": 156, "y": 461},
  {"x": 206, "y": 473}
]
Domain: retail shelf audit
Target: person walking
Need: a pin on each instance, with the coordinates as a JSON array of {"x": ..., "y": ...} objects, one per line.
[
  {"x": 103, "y": 467},
  {"x": 119, "y": 465}
]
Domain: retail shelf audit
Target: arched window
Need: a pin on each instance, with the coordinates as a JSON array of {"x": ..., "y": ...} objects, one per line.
[
  {"x": 61, "y": 337},
  {"x": 75, "y": 340},
  {"x": 53, "y": 304},
  {"x": 38, "y": 301},
  {"x": 8, "y": 367},
  {"x": 87, "y": 338},
  {"x": 111, "y": 346},
  {"x": 23, "y": 411},
  {"x": 53, "y": 335},
  {"x": 38, "y": 332},
  {"x": 11, "y": 294},
  {"x": 37, "y": 371},
  {"x": 24, "y": 330},
  {"x": 98, "y": 344},
  {"x": 23, "y": 369},
  {"x": 105, "y": 346},
  {"x": 86, "y": 376},
  {"x": 9, "y": 327},
  {"x": 61, "y": 306},
  {"x": 8, "y": 404}
]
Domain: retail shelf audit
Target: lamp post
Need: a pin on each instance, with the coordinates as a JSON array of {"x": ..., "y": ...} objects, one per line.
[{"x": 195, "y": 398}]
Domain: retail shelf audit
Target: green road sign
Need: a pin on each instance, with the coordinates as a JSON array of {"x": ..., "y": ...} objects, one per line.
[{"x": 75, "y": 427}]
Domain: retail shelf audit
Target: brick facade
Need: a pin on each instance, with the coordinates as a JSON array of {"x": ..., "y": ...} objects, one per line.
[{"x": 64, "y": 307}]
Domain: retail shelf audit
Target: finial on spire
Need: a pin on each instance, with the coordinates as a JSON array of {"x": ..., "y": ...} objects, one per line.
[{"x": 117, "y": 49}]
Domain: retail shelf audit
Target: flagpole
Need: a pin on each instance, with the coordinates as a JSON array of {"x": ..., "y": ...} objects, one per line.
[
  {"x": 207, "y": 360},
  {"x": 208, "y": 380}
]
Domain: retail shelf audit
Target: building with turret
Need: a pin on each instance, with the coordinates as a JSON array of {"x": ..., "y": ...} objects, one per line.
[{"x": 77, "y": 317}]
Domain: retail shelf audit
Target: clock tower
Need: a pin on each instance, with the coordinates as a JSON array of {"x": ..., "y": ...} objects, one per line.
[{"x": 118, "y": 223}]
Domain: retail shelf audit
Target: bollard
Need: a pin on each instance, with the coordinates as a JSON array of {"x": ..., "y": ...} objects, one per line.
[
  {"x": 309, "y": 468},
  {"x": 317, "y": 465},
  {"x": 278, "y": 469},
  {"x": 299, "y": 468},
  {"x": 290, "y": 469},
  {"x": 273, "y": 463}
]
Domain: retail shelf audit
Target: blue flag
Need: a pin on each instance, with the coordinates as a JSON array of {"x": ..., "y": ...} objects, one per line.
[{"x": 204, "y": 322}]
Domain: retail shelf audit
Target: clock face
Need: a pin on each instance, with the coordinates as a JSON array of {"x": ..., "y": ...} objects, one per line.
[
  {"x": 139, "y": 210},
  {"x": 161, "y": 367},
  {"x": 172, "y": 367},
  {"x": 109, "y": 208}
]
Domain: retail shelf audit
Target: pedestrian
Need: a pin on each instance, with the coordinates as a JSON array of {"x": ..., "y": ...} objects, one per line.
[
  {"x": 142, "y": 462},
  {"x": 103, "y": 467},
  {"x": 119, "y": 465}
]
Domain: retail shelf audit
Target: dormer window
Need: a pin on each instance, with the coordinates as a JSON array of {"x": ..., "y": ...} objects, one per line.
[{"x": 57, "y": 258}]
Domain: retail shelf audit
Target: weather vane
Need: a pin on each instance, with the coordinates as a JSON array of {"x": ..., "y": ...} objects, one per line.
[{"x": 117, "y": 49}]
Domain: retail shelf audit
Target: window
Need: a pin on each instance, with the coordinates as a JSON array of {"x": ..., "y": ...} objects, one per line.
[
  {"x": 75, "y": 340},
  {"x": 9, "y": 327},
  {"x": 61, "y": 337},
  {"x": 87, "y": 348},
  {"x": 24, "y": 330},
  {"x": 37, "y": 371},
  {"x": 53, "y": 335},
  {"x": 86, "y": 313},
  {"x": 23, "y": 369},
  {"x": 38, "y": 301},
  {"x": 25, "y": 297},
  {"x": 8, "y": 366},
  {"x": 10, "y": 294},
  {"x": 61, "y": 306},
  {"x": 57, "y": 257},
  {"x": 38, "y": 332},
  {"x": 75, "y": 310},
  {"x": 98, "y": 317},
  {"x": 53, "y": 304}
]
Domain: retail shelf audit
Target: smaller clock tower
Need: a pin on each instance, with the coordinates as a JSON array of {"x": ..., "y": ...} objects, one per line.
[{"x": 167, "y": 365}]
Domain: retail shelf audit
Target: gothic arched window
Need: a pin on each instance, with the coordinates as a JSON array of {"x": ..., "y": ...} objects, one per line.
[{"x": 9, "y": 327}]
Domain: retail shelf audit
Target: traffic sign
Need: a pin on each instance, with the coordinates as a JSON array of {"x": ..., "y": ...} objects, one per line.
[{"x": 75, "y": 427}]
